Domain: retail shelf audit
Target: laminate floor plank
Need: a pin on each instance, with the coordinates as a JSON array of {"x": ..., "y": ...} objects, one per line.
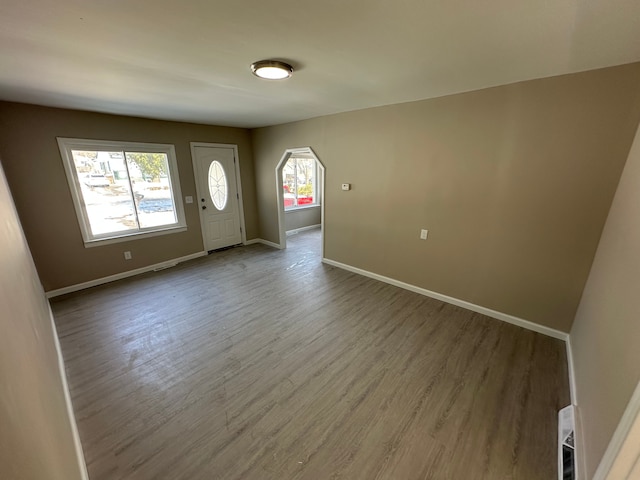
[{"x": 254, "y": 363}]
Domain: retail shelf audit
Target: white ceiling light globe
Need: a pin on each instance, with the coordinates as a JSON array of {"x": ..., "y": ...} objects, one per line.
[{"x": 271, "y": 69}]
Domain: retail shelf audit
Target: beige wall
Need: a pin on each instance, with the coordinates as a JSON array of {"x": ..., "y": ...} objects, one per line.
[
  {"x": 36, "y": 175},
  {"x": 305, "y": 217},
  {"x": 36, "y": 440},
  {"x": 606, "y": 333},
  {"x": 514, "y": 184}
]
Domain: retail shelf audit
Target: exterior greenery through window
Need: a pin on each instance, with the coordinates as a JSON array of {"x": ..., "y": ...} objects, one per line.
[
  {"x": 299, "y": 183},
  {"x": 123, "y": 189}
]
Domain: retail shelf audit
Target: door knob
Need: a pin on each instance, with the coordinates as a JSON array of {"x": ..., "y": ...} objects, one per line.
[{"x": 204, "y": 207}]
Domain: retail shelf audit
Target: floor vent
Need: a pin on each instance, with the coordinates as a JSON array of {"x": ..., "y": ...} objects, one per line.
[{"x": 566, "y": 444}]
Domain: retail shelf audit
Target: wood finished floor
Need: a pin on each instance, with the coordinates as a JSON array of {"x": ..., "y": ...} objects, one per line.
[{"x": 254, "y": 363}]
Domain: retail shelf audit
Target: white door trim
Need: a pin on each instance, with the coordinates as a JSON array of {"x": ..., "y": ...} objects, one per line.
[
  {"x": 238, "y": 185},
  {"x": 282, "y": 232},
  {"x": 623, "y": 452}
]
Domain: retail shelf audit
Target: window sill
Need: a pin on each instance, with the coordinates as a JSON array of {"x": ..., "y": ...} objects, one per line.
[
  {"x": 303, "y": 207},
  {"x": 133, "y": 236}
]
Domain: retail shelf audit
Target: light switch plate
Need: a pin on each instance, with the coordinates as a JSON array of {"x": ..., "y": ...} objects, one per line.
[
  {"x": 346, "y": 186},
  {"x": 423, "y": 234},
  {"x": 188, "y": 199}
]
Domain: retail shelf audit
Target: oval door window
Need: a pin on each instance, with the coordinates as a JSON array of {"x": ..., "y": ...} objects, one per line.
[{"x": 218, "y": 185}]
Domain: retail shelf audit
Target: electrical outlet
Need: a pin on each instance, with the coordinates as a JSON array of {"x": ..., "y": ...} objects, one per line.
[
  {"x": 346, "y": 186},
  {"x": 188, "y": 199},
  {"x": 423, "y": 234},
  {"x": 127, "y": 255}
]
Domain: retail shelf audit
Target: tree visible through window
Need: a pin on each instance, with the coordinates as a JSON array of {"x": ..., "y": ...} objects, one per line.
[
  {"x": 122, "y": 189},
  {"x": 299, "y": 182}
]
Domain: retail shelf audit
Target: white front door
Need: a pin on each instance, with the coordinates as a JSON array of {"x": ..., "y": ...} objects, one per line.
[{"x": 217, "y": 196}]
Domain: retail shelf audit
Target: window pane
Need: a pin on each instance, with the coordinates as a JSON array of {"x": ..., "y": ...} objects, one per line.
[
  {"x": 149, "y": 174},
  {"x": 122, "y": 189},
  {"x": 305, "y": 174},
  {"x": 105, "y": 191},
  {"x": 289, "y": 183},
  {"x": 218, "y": 185},
  {"x": 298, "y": 182}
]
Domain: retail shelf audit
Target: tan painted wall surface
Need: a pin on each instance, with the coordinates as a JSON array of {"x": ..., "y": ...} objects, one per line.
[
  {"x": 36, "y": 175},
  {"x": 514, "y": 184},
  {"x": 304, "y": 217},
  {"x": 36, "y": 440},
  {"x": 606, "y": 333}
]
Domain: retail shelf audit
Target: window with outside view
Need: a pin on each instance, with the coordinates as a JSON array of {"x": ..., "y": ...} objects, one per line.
[
  {"x": 299, "y": 182},
  {"x": 122, "y": 189}
]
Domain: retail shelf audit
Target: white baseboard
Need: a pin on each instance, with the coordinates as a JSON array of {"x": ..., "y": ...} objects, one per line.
[
  {"x": 302, "y": 229},
  {"x": 551, "y": 332},
  {"x": 263, "y": 242},
  {"x": 120, "y": 276},
  {"x": 82, "y": 465}
]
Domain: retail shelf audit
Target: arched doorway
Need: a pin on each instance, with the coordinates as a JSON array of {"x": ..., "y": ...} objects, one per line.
[{"x": 304, "y": 190}]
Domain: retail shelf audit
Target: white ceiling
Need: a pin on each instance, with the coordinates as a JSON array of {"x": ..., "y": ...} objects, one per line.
[{"x": 189, "y": 60}]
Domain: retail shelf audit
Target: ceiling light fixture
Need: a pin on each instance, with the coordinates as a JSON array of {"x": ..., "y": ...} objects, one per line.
[{"x": 271, "y": 69}]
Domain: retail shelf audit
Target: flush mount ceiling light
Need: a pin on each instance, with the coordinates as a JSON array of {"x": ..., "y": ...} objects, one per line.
[{"x": 271, "y": 69}]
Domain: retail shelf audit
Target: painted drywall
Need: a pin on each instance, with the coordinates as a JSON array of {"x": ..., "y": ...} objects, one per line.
[
  {"x": 304, "y": 217},
  {"x": 36, "y": 175},
  {"x": 513, "y": 183},
  {"x": 36, "y": 437},
  {"x": 605, "y": 336}
]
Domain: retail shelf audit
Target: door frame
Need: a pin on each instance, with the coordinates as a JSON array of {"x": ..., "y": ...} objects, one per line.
[
  {"x": 193, "y": 145},
  {"x": 289, "y": 152},
  {"x": 622, "y": 456}
]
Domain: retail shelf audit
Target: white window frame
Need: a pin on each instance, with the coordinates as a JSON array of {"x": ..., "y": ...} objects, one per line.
[
  {"x": 66, "y": 146},
  {"x": 315, "y": 193}
]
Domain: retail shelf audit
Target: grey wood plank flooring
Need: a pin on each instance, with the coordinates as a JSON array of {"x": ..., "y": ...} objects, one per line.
[{"x": 254, "y": 363}]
